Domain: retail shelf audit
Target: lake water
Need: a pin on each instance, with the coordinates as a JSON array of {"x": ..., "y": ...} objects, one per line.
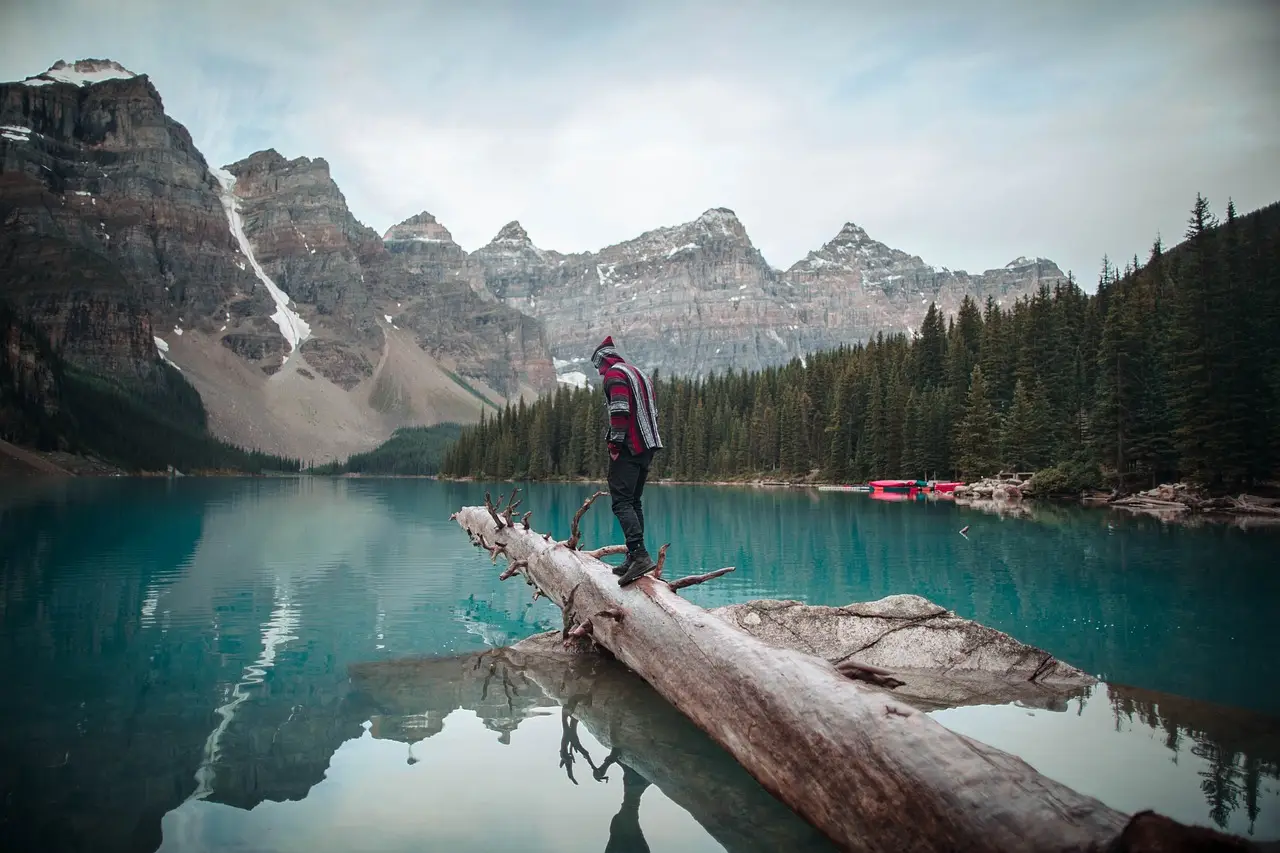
[{"x": 238, "y": 665}]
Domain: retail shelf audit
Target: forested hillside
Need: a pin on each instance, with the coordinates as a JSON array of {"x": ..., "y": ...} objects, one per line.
[
  {"x": 411, "y": 451},
  {"x": 138, "y": 424},
  {"x": 1172, "y": 369}
]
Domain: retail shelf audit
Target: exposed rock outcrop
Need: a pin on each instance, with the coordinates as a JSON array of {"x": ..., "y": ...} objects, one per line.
[
  {"x": 691, "y": 299},
  {"x": 127, "y": 250},
  {"x": 112, "y": 222},
  {"x": 699, "y": 297},
  {"x": 943, "y": 659},
  {"x": 441, "y": 296},
  {"x": 855, "y": 286}
]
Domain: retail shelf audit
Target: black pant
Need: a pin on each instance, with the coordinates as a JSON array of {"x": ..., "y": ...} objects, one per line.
[{"x": 627, "y": 476}]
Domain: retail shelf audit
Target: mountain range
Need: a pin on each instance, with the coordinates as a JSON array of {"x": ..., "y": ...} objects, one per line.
[{"x": 307, "y": 333}]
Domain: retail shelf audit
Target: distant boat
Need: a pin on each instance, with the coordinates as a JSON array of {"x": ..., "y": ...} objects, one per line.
[
  {"x": 889, "y": 495},
  {"x": 844, "y": 488},
  {"x": 897, "y": 485},
  {"x": 913, "y": 486}
]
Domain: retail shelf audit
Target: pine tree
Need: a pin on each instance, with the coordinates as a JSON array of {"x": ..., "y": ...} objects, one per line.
[
  {"x": 1026, "y": 439},
  {"x": 1196, "y": 400},
  {"x": 978, "y": 431}
]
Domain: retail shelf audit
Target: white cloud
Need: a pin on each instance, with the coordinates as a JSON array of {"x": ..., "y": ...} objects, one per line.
[{"x": 967, "y": 136}]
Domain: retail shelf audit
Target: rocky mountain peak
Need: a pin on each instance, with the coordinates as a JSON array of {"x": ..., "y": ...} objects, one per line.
[
  {"x": 852, "y": 232},
  {"x": 422, "y": 228},
  {"x": 272, "y": 161},
  {"x": 82, "y": 72},
  {"x": 850, "y": 250},
  {"x": 723, "y": 221},
  {"x": 512, "y": 233}
]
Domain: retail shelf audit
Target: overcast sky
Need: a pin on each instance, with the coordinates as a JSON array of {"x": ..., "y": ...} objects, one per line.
[{"x": 965, "y": 132}]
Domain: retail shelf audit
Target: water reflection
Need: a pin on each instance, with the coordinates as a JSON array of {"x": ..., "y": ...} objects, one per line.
[
  {"x": 635, "y": 727},
  {"x": 1134, "y": 749},
  {"x": 182, "y": 648}
]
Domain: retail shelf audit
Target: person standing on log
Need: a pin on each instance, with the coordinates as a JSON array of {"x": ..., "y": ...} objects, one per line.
[{"x": 633, "y": 439}]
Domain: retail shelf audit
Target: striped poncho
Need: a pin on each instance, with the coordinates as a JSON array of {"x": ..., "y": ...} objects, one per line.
[{"x": 633, "y": 409}]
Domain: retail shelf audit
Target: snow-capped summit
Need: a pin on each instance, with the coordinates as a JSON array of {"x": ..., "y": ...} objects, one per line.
[
  {"x": 82, "y": 72},
  {"x": 1020, "y": 261},
  {"x": 422, "y": 228}
]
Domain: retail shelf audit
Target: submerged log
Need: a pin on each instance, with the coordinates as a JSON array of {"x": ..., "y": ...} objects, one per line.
[
  {"x": 639, "y": 729},
  {"x": 868, "y": 771}
]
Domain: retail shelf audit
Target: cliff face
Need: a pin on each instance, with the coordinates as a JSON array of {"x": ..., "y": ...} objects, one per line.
[
  {"x": 303, "y": 329},
  {"x": 688, "y": 300},
  {"x": 112, "y": 223},
  {"x": 441, "y": 295},
  {"x": 125, "y": 248},
  {"x": 30, "y": 403},
  {"x": 699, "y": 297},
  {"x": 854, "y": 287}
]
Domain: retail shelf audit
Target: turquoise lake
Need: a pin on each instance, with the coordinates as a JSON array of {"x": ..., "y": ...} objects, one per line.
[{"x": 179, "y": 659}]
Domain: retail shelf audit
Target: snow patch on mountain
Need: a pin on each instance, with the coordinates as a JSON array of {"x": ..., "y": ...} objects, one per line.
[
  {"x": 574, "y": 378},
  {"x": 293, "y": 327},
  {"x": 83, "y": 72},
  {"x": 16, "y": 132}
]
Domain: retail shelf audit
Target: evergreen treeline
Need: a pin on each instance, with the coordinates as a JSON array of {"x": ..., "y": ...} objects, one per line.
[
  {"x": 136, "y": 424},
  {"x": 1172, "y": 369},
  {"x": 409, "y": 451}
]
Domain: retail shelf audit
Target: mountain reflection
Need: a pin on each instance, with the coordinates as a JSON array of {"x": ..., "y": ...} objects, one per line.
[{"x": 217, "y": 656}]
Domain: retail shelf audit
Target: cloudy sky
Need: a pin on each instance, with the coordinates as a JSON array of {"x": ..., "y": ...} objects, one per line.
[{"x": 965, "y": 132}]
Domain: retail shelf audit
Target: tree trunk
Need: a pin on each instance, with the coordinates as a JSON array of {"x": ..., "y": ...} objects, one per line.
[{"x": 867, "y": 771}]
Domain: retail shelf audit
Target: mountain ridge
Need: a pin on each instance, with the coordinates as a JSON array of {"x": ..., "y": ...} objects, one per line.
[{"x": 303, "y": 328}]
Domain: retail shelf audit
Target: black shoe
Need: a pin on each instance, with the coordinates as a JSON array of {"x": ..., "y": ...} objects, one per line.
[
  {"x": 621, "y": 568},
  {"x": 640, "y": 566}
]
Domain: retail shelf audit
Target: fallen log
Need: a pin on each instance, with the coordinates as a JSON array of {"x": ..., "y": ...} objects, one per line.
[{"x": 869, "y": 772}]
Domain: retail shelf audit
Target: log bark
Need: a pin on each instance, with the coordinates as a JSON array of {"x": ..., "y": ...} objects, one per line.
[{"x": 869, "y": 772}]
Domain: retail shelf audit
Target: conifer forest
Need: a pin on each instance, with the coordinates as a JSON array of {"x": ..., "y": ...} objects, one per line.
[{"x": 1171, "y": 369}]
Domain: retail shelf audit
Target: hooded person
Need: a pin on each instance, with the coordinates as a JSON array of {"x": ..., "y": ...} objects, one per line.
[{"x": 633, "y": 440}]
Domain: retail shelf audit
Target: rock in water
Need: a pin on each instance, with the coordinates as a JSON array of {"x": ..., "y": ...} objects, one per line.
[{"x": 943, "y": 659}]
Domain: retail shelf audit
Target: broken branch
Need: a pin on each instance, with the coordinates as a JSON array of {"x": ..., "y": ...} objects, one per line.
[
  {"x": 494, "y": 550},
  {"x": 614, "y": 613},
  {"x": 514, "y": 569},
  {"x": 662, "y": 558},
  {"x": 606, "y": 551},
  {"x": 493, "y": 512},
  {"x": 574, "y": 533},
  {"x": 525, "y": 521},
  {"x": 512, "y": 503},
  {"x": 577, "y": 631},
  {"x": 694, "y": 580}
]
